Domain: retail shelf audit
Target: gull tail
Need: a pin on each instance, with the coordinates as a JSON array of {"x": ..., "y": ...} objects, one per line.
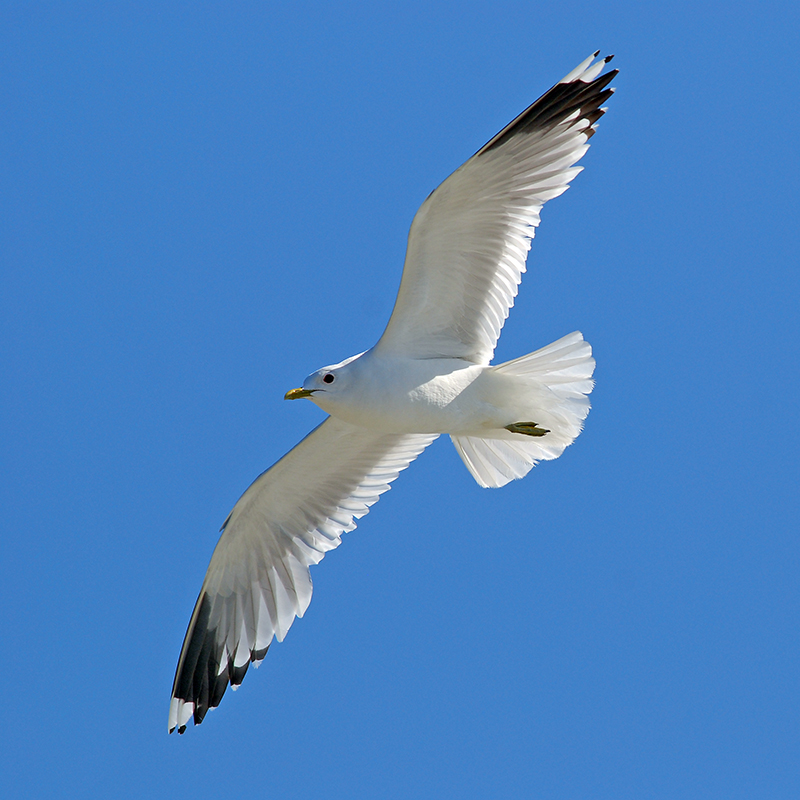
[{"x": 553, "y": 383}]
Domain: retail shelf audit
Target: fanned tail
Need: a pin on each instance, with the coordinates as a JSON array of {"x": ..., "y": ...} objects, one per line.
[{"x": 560, "y": 378}]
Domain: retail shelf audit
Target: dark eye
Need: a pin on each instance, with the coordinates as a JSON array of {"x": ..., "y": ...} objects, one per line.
[{"x": 328, "y": 378}]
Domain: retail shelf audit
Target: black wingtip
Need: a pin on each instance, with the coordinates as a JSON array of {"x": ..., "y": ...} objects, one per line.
[
  {"x": 236, "y": 674},
  {"x": 558, "y": 104},
  {"x": 200, "y": 679}
]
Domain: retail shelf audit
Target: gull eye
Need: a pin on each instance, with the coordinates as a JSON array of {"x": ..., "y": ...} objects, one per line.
[{"x": 328, "y": 378}]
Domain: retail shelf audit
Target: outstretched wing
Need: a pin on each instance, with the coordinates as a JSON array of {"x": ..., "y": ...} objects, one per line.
[
  {"x": 258, "y": 580},
  {"x": 469, "y": 240}
]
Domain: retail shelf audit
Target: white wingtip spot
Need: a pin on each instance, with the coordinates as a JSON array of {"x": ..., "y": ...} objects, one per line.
[
  {"x": 173, "y": 714},
  {"x": 593, "y": 72},
  {"x": 586, "y": 71},
  {"x": 579, "y": 70},
  {"x": 180, "y": 713}
]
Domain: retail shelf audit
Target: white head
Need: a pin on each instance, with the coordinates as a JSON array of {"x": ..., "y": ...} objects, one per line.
[{"x": 326, "y": 384}]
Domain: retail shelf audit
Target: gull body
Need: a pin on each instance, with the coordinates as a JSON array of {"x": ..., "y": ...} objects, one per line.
[
  {"x": 389, "y": 394},
  {"x": 429, "y": 374},
  {"x": 395, "y": 395}
]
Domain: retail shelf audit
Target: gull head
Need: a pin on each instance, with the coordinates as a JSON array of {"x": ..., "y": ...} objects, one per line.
[{"x": 331, "y": 380}]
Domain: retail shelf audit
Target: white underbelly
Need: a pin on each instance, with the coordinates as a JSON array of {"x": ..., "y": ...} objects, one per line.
[
  {"x": 468, "y": 400},
  {"x": 399, "y": 396}
]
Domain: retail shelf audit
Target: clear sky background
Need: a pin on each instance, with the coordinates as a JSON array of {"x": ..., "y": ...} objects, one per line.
[{"x": 201, "y": 204}]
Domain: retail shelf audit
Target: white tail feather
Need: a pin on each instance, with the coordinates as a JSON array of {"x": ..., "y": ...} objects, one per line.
[{"x": 557, "y": 378}]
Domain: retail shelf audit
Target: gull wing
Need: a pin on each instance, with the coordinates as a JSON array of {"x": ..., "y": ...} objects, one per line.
[
  {"x": 258, "y": 580},
  {"x": 469, "y": 240}
]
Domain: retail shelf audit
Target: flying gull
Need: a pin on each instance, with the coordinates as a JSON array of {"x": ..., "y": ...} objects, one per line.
[{"x": 428, "y": 374}]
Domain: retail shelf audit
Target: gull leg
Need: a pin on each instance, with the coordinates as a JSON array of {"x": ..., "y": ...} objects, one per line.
[{"x": 528, "y": 428}]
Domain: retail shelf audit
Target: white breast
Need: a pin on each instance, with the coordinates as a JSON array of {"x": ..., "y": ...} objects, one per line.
[{"x": 404, "y": 395}]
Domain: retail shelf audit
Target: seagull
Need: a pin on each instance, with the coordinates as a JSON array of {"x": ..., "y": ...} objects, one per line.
[{"x": 429, "y": 374}]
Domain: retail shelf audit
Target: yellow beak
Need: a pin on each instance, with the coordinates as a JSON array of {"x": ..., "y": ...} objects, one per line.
[{"x": 296, "y": 394}]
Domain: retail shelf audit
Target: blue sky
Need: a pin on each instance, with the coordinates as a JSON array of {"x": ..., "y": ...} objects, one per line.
[{"x": 202, "y": 204}]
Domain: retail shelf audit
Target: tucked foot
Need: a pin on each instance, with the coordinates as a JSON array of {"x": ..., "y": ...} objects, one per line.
[{"x": 528, "y": 428}]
